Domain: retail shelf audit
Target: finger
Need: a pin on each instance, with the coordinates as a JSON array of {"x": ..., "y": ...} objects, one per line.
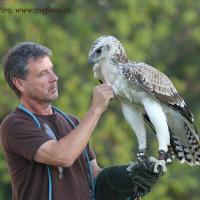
[
  {"x": 106, "y": 87},
  {"x": 146, "y": 175},
  {"x": 109, "y": 93},
  {"x": 141, "y": 182},
  {"x": 144, "y": 189}
]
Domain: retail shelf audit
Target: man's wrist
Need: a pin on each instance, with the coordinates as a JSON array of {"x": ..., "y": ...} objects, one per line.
[{"x": 95, "y": 111}]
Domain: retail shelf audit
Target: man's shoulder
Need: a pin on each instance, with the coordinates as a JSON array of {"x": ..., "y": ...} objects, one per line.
[
  {"x": 8, "y": 120},
  {"x": 6, "y": 126},
  {"x": 13, "y": 117},
  {"x": 12, "y": 121}
]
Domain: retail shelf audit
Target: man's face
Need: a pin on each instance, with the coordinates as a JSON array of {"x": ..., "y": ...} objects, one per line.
[{"x": 41, "y": 81}]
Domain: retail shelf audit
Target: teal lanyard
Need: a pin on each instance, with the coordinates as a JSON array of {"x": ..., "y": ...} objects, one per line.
[{"x": 91, "y": 178}]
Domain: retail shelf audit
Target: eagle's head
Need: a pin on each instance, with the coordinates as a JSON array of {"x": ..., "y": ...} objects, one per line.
[{"x": 106, "y": 47}]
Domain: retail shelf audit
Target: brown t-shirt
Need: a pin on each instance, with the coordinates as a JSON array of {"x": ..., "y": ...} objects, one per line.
[{"x": 20, "y": 139}]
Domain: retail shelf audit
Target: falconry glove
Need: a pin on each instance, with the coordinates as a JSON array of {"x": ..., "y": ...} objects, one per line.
[{"x": 126, "y": 182}]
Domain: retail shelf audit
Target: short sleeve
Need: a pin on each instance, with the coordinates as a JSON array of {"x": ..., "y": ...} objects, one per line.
[{"x": 23, "y": 138}]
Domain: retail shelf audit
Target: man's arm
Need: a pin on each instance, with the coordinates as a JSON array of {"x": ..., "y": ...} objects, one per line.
[
  {"x": 65, "y": 151},
  {"x": 95, "y": 167}
]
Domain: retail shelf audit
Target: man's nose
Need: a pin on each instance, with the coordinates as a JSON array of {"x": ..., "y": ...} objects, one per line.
[{"x": 53, "y": 77}]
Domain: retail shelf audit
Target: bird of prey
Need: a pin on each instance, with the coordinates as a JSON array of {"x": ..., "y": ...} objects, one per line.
[{"x": 147, "y": 95}]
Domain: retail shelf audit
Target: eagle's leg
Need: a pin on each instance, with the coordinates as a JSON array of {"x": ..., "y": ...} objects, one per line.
[
  {"x": 158, "y": 119},
  {"x": 160, "y": 165},
  {"x": 170, "y": 154},
  {"x": 134, "y": 117},
  {"x": 141, "y": 155},
  {"x": 163, "y": 158}
]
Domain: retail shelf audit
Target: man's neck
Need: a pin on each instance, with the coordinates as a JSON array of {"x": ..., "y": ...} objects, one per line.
[{"x": 39, "y": 108}]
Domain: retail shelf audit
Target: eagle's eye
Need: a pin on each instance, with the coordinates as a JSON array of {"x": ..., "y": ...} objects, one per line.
[{"x": 98, "y": 51}]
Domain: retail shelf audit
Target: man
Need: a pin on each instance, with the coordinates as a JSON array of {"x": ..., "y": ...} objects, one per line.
[{"x": 44, "y": 147}]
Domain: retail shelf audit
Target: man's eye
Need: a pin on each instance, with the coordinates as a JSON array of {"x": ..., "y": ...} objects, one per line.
[{"x": 43, "y": 73}]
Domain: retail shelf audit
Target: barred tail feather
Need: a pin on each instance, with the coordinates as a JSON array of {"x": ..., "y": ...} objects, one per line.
[
  {"x": 189, "y": 153},
  {"x": 177, "y": 147},
  {"x": 186, "y": 153},
  {"x": 194, "y": 145}
]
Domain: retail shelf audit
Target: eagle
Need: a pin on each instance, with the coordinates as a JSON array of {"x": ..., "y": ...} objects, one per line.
[{"x": 147, "y": 96}]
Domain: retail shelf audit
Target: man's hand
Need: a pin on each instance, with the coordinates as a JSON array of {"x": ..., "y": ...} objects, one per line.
[
  {"x": 143, "y": 176},
  {"x": 101, "y": 97},
  {"x": 126, "y": 181}
]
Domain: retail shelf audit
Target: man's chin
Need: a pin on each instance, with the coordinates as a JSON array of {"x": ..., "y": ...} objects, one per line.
[{"x": 52, "y": 97}]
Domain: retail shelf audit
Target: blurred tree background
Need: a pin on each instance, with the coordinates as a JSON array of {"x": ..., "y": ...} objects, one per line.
[{"x": 165, "y": 34}]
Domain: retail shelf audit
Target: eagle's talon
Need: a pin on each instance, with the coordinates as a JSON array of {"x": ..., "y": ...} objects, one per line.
[
  {"x": 167, "y": 156},
  {"x": 141, "y": 156},
  {"x": 170, "y": 156},
  {"x": 169, "y": 160},
  {"x": 160, "y": 166},
  {"x": 162, "y": 155}
]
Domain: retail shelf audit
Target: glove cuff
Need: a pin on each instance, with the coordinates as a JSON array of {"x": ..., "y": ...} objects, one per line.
[{"x": 114, "y": 183}]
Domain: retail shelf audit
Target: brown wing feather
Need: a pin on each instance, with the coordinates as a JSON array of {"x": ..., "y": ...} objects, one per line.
[{"x": 157, "y": 84}]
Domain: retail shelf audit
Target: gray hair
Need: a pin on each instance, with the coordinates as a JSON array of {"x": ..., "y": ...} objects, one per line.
[{"x": 16, "y": 60}]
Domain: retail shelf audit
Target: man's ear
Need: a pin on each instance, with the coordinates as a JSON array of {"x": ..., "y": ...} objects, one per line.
[{"x": 19, "y": 84}]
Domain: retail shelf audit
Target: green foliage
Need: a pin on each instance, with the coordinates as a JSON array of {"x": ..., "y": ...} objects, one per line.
[{"x": 163, "y": 33}]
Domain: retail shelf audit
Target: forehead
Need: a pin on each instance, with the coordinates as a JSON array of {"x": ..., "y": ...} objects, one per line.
[
  {"x": 103, "y": 41},
  {"x": 39, "y": 64},
  {"x": 100, "y": 41}
]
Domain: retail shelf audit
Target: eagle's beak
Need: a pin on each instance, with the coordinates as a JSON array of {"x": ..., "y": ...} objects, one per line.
[{"x": 90, "y": 61}]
